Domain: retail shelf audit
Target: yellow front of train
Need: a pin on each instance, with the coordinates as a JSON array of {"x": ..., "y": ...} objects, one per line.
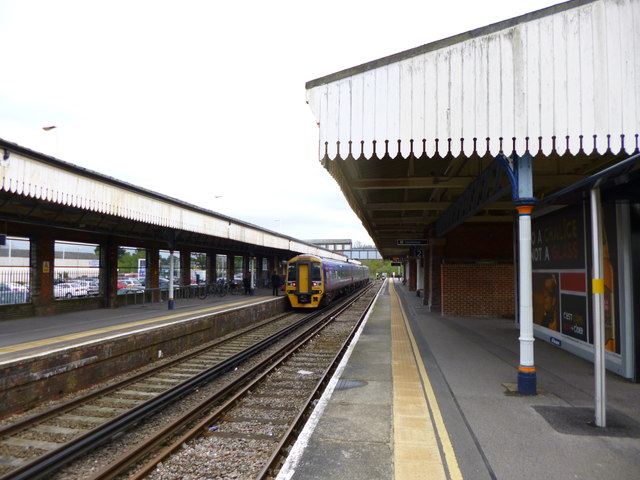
[{"x": 305, "y": 283}]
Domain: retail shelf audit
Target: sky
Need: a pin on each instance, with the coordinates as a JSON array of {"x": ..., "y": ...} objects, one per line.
[{"x": 204, "y": 101}]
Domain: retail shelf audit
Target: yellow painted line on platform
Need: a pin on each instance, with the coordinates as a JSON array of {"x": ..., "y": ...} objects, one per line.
[
  {"x": 422, "y": 446},
  {"x": 113, "y": 328}
]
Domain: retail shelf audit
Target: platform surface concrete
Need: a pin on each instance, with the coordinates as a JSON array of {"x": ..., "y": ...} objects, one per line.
[{"x": 471, "y": 364}]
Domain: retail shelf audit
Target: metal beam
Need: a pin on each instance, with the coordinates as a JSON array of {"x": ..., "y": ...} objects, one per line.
[
  {"x": 387, "y": 206},
  {"x": 411, "y": 182},
  {"x": 439, "y": 206},
  {"x": 542, "y": 180},
  {"x": 491, "y": 185},
  {"x": 400, "y": 221}
]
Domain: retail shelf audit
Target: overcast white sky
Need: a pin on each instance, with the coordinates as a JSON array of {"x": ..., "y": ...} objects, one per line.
[{"x": 204, "y": 101}]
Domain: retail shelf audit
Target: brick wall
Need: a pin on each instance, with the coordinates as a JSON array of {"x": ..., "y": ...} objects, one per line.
[
  {"x": 473, "y": 241},
  {"x": 473, "y": 289}
]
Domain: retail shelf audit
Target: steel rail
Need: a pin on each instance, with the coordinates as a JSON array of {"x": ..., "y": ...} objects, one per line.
[
  {"x": 55, "y": 459},
  {"x": 71, "y": 404},
  {"x": 291, "y": 434},
  {"x": 240, "y": 386}
]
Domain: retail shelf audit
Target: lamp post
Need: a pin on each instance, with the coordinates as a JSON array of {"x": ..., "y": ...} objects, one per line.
[
  {"x": 218, "y": 197},
  {"x": 48, "y": 129}
]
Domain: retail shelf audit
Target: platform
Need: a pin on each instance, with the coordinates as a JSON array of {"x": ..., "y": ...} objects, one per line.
[
  {"x": 436, "y": 401},
  {"x": 35, "y": 335},
  {"x": 45, "y": 358}
]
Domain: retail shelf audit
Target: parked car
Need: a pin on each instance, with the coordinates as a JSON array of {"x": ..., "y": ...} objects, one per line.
[
  {"x": 122, "y": 288},
  {"x": 163, "y": 283},
  {"x": 10, "y": 296},
  {"x": 68, "y": 290},
  {"x": 92, "y": 288},
  {"x": 132, "y": 285}
]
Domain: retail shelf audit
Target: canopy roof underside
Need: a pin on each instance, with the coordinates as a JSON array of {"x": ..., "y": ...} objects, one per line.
[
  {"x": 399, "y": 197},
  {"x": 405, "y": 136}
]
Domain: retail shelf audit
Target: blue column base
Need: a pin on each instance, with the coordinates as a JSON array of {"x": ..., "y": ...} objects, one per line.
[
  {"x": 527, "y": 383},
  {"x": 170, "y": 304}
]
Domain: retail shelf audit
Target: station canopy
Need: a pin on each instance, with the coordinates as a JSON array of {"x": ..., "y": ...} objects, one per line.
[{"x": 408, "y": 135}]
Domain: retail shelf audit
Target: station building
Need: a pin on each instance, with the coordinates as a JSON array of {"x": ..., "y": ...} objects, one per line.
[
  {"x": 110, "y": 243},
  {"x": 501, "y": 165}
]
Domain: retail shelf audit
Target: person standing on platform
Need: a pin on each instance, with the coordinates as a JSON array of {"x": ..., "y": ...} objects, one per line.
[
  {"x": 275, "y": 283},
  {"x": 247, "y": 284}
]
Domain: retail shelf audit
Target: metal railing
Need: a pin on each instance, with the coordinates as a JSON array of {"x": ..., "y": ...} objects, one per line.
[{"x": 14, "y": 285}]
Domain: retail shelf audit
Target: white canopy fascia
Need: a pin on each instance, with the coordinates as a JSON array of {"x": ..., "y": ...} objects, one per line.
[
  {"x": 569, "y": 70},
  {"x": 66, "y": 184}
]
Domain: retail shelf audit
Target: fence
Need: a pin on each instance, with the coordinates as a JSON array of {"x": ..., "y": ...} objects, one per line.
[{"x": 14, "y": 285}]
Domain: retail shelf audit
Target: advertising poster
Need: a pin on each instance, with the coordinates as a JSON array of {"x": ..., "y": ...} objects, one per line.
[
  {"x": 557, "y": 240},
  {"x": 546, "y": 300},
  {"x": 573, "y": 305},
  {"x": 574, "y": 316},
  {"x": 609, "y": 253},
  {"x": 559, "y": 275},
  {"x": 562, "y": 272}
]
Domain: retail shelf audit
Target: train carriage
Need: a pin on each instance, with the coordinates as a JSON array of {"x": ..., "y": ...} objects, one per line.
[{"x": 314, "y": 281}]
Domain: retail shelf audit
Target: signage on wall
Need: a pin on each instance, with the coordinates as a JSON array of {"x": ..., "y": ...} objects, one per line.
[
  {"x": 555, "y": 341},
  {"x": 413, "y": 241}
]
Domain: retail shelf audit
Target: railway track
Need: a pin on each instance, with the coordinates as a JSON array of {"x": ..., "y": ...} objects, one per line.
[
  {"x": 42, "y": 445},
  {"x": 38, "y": 445},
  {"x": 247, "y": 435}
]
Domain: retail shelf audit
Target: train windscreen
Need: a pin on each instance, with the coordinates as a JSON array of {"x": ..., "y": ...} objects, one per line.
[
  {"x": 292, "y": 273},
  {"x": 316, "y": 272}
]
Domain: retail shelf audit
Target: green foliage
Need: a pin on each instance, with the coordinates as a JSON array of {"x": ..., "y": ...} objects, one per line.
[
  {"x": 199, "y": 261},
  {"x": 128, "y": 262},
  {"x": 381, "y": 267}
]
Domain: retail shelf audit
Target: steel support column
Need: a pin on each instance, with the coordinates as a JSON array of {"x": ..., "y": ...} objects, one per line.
[
  {"x": 171, "y": 292},
  {"x": 598, "y": 310},
  {"x": 526, "y": 370},
  {"x": 520, "y": 172}
]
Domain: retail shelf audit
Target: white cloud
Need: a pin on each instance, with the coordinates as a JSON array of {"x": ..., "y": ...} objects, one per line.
[{"x": 198, "y": 99}]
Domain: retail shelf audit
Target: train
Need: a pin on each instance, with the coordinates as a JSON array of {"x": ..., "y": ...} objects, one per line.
[{"x": 313, "y": 281}]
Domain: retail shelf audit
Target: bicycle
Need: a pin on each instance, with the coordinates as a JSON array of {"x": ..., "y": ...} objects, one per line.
[
  {"x": 204, "y": 291},
  {"x": 221, "y": 289},
  {"x": 234, "y": 288}
]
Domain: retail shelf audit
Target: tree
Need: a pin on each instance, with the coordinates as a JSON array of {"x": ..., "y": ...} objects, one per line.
[
  {"x": 127, "y": 261},
  {"x": 358, "y": 244},
  {"x": 381, "y": 266}
]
